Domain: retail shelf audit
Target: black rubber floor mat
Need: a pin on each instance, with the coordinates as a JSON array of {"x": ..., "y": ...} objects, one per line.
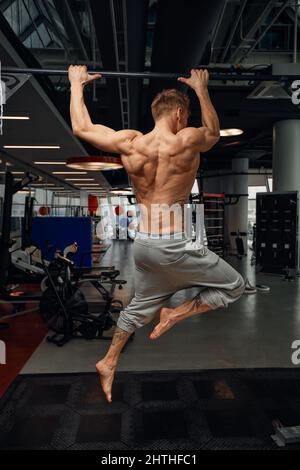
[{"x": 229, "y": 409}]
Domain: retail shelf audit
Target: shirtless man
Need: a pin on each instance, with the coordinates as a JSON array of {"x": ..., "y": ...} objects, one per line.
[{"x": 162, "y": 166}]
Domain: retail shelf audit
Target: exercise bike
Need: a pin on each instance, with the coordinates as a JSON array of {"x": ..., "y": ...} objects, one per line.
[{"x": 64, "y": 306}]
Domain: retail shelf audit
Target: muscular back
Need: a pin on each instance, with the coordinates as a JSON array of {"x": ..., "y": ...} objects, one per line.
[
  {"x": 162, "y": 164},
  {"x": 162, "y": 170}
]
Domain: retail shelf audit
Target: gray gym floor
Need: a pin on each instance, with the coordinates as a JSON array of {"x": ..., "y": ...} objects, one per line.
[{"x": 256, "y": 331}]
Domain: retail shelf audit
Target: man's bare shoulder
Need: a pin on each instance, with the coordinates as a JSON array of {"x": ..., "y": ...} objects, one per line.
[
  {"x": 200, "y": 139},
  {"x": 186, "y": 137},
  {"x": 126, "y": 139},
  {"x": 188, "y": 132},
  {"x": 129, "y": 134}
]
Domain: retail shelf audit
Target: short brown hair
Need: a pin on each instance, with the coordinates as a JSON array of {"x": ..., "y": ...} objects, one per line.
[{"x": 167, "y": 100}]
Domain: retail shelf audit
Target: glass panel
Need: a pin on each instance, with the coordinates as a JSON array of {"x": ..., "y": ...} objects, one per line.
[
  {"x": 33, "y": 41},
  {"x": 20, "y": 15},
  {"x": 43, "y": 33},
  {"x": 11, "y": 15},
  {"x": 27, "y": 13},
  {"x": 36, "y": 40}
]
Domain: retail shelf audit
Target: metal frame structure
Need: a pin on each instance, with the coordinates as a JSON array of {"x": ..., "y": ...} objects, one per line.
[
  {"x": 268, "y": 7},
  {"x": 65, "y": 11},
  {"x": 233, "y": 30},
  {"x": 266, "y": 29}
]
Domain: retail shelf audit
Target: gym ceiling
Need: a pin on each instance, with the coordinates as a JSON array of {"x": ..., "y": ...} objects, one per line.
[{"x": 140, "y": 35}]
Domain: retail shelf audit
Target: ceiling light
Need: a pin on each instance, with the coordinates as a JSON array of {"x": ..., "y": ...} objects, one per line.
[
  {"x": 16, "y": 118},
  {"x": 86, "y": 184},
  {"x": 230, "y": 132},
  {"x": 69, "y": 172},
  {"x": 50, "y": 163},
  {"x": 31, "y": 147},
  {"x": 121, "y": 191},
  {"x": 25, "y": 191},
  {"x": 13, "y": 172},
  {"x": 79, "y": 179},
  {"x": 95, "y": 163}
]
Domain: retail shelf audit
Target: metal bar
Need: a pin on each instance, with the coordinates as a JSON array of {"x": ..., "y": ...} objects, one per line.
[
  {"x": 125, "y": 22},
  {"x": 219, "y": 22},
  {"x": 256, "y": 77},
  {"x": 93, "y": 47},
  {"x": 114, "y": 28}
]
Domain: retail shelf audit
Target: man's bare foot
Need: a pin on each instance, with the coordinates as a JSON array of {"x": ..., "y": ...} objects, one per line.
[
  {"x": 167, "y": 320},
  {"x": 106, "y": 373}
]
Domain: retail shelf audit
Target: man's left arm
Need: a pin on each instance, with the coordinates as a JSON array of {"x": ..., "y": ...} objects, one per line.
[{"x": 101, "y": 137}]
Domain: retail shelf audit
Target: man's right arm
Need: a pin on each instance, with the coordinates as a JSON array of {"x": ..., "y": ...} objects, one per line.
[{"x": 205, "y": 137}]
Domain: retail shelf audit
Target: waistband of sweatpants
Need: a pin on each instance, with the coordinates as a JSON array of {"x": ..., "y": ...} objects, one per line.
[{"x": 161, "y": 236}]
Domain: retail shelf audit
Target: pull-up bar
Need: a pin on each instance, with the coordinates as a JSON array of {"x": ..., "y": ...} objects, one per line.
[{"x": 214, "y": 75}]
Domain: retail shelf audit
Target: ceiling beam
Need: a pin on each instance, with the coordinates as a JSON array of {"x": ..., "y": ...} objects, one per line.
[
  {"x": 45, "y": 9},
  {"x": 5, "y": 156},
  {"x": 5, "y": 4},
  {"x": 233, "y": 29},
  {"x": 104, "y": 32},
  {"x": 67, "y": 17},
  {"x": 258, "y": 21},
  {"x": 266, "y": 29},
  {"x": 7, "y": 49}
]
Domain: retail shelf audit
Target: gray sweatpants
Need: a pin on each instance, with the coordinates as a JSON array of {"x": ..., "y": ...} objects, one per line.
[{"x": 165, "y": 266}]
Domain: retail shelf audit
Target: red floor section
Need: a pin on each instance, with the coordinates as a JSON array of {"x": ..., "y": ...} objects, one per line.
[{"x": 21, "y": 339}]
